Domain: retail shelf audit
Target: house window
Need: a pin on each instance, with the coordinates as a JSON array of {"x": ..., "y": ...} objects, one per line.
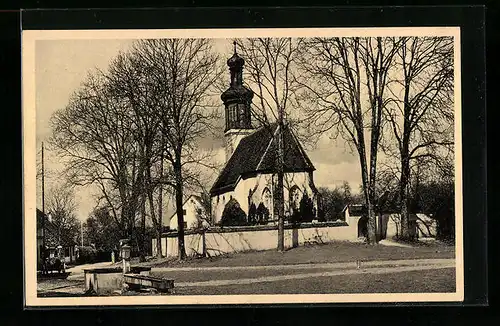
[
  {"x": 185, "y": 225},
  {"x": 198, "y": 211},
  {"x": 183, "y": 212}
]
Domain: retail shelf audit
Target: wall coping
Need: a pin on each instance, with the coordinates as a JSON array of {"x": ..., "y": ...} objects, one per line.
[
  {"x": 112, "y": 270},
  {"x": 229, "y": 229}
]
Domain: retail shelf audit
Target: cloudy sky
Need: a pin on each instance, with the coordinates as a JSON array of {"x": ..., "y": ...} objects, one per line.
[{"x": 62, "y": 65}]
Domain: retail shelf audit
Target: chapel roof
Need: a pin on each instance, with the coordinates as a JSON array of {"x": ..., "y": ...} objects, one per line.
[
  {"x": 256, "y": 153},
  {"x": 237, "y": 93}
]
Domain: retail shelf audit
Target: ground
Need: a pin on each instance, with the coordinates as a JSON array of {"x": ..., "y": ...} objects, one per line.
[{"x": 329, "y": 268}]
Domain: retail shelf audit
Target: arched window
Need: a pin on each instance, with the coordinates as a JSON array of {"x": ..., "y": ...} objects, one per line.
[
  {"x": 295, "y": 196},
  {"x": 266, "y": 198}
]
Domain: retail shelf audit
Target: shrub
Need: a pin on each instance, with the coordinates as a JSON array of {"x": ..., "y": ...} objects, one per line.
[
  {"x": 321, "y": 215},
  {"x": 86, "y": 254},
  {"x": 89, "y": 255},
  {"x": 305, "y": 212},
  {"x": 262, "y": 214},
  {"x": 306, "y": 209},
  {"x": 295, "y": 217},
  {"x": 233, "y": 214},
  {"x": 252, "y": 215}
]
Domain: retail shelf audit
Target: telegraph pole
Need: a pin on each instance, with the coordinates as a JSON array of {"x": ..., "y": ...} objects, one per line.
[{"x": 43, "y": 205}]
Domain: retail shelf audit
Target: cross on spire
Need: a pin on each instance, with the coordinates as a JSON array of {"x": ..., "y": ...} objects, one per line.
[{"x": 234, "y": 43}]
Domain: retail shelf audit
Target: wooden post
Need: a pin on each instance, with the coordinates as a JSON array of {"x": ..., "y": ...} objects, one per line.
[{"x": 203, "y": 243}]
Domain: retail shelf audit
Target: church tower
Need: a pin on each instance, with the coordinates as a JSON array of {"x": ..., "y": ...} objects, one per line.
[{"x": 237, "y": 100}]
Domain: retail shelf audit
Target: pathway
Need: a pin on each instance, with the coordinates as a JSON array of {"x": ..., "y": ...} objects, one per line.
[
  {"x": 379, "y": 270},
  {"x": 74, "y": 284},
  {"x": 344, "y": 265}
]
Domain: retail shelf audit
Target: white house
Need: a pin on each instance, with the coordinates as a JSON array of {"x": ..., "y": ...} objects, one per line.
[
  {"x": 247, "y": 176},
  {"x": 388, "y": 224},
  {"x": 194, "y": 214}
]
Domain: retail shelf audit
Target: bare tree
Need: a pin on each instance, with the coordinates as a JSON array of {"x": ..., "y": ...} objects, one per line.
[
  {"x": 346, "y": 87},
  {"x": 94, "y": 135},
  {"x": 130, "y": 79},
  {"x": 61, "y": 206},
  {"x": 270, "y": 64},
  {"x": 183, "y": 72},
  {"x": 420, "y": 111}
]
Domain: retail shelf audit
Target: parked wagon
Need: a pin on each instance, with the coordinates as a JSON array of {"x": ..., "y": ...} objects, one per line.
[{"x": 54, "y": 265}]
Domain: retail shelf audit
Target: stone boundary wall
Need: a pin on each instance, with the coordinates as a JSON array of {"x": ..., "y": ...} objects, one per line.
[{"x": 216, "y": 241}]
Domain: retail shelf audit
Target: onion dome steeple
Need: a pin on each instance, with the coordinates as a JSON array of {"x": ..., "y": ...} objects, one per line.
[{"x": 237, "y": 98}]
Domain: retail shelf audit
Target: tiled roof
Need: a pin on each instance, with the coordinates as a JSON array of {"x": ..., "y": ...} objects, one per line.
[{"x": 256, "y": 153}]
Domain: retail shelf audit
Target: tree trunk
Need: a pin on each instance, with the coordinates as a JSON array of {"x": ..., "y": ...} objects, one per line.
[
  {"x": 279, "y": 196},
  {"x": 127, "y": 228},
  {"x": 142, "y": 237},
  {"x": 406, "y": 233},
  {"x": 405, "y": 163},
  {"x": 159, "y": 231},
  {"x": 372, "y": 224},
  {"x": 156, "y": 222},
  {"x": 179, "y": 210},
  {"x": 159, "y": 227},
  {"x": 155, "y": 218},
  {"x": 368, "y": 192},
  {"x": 281, "y": 211},
  {"x": 371, "y": 205}
]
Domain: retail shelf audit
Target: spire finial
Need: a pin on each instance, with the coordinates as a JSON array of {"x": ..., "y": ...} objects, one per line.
[{"x": 234, "y": 43}]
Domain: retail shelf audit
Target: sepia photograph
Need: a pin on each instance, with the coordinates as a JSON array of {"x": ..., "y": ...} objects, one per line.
[{"x": 234, "y": 166}]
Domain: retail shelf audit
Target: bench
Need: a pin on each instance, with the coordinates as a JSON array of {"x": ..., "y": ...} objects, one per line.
[{"x": 136, "y": 281}]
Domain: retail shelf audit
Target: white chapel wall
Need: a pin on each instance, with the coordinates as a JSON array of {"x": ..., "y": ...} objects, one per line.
[{"x": 257, "y": 185}]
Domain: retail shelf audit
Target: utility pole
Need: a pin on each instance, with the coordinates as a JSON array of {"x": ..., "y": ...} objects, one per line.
[{"x": 43, "y": 206}]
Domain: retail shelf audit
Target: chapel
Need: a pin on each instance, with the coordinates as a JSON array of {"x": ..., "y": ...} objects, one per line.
[{"x": 249, "y": 174}]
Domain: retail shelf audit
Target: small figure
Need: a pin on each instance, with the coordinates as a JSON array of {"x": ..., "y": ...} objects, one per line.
[{"x": 112, "y": 257}]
